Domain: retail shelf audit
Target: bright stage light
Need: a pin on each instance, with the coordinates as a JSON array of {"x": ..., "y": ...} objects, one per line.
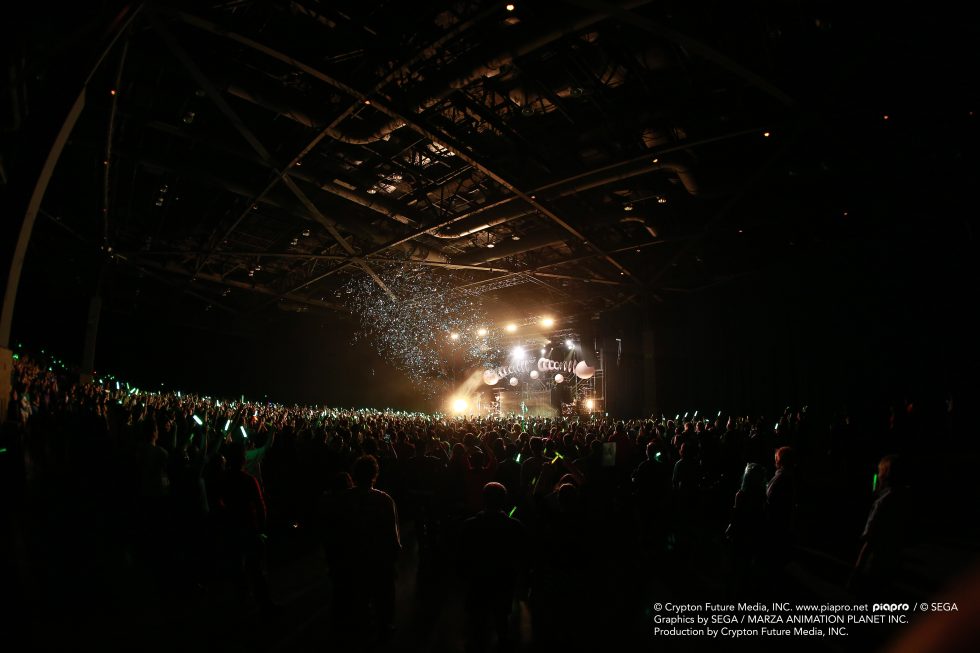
[
  {"x": 542, "y": 351},
  {"x": 589, "y": 404},
  {"x": 454, "y": 336},
  {"x": 548, "y": 322},
  {"x": 517, "y": 352},
  {"x": 481, "y": 332},
  {"x": 460, "y": 405},
  {"x": 569, "y": 344},
  {"x": 511, "y": 328}
]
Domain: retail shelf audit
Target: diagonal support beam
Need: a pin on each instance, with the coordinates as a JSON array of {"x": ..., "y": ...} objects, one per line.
[
  {"x": 435, "y": 135},
  {"x": 282, "y": 173}
]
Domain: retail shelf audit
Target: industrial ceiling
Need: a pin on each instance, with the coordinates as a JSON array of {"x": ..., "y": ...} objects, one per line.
[{"x": 573, "y": 157}]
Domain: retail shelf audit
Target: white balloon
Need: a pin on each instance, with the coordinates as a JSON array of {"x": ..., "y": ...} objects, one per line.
[
  {"x": 543, "y": 364},
  {"x": 534, "y": 374},
  {"x": 583, "y": 371},
  {"x": 513, "y": 380},
  {"x": 490, "y": 377},
  {"x": 559, "y": 378}
]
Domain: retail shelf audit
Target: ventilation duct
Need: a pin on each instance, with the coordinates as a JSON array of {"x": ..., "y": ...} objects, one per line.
[
  {"x": 512, "y": 248},
  {"x": 643, "y": 223},
  {"x": 493, "y": 216}
]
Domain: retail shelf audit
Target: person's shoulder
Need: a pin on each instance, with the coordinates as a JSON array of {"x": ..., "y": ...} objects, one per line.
[{"x": 380, "y": 495}]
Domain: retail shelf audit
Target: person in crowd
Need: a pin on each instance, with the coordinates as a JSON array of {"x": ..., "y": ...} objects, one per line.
[
  {"x": 244, "y": 520},
  {"x": 493, "y": 558},
  {"x": 368, "y": 541},
  {"x": 886, "y": 533},
  {"x": 781, "y": 498},
  {"x": 169, "y": 460},
  {"x": 746, "y": 531}
]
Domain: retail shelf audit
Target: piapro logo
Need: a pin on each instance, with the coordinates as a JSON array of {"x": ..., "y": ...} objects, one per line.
[{"x": 889, "y": 607}]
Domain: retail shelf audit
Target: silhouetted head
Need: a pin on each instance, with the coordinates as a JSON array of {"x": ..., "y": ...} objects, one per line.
[
  {"x": 754, "y": 478},
  {"x": 494, "y": 497},
  {"x": 568, "y": 495},
  {"x": 458, "y": 456},
  {"x": 365, "y": 471},
  {"x": 651, "y": 450},
  {"x": 891, "y": 471},
  {"x": 150, "y": 431},
  {"x": 537, "y": 446},
  {"x": 785, "y": 458},
  {"x": 499, "y": 449},
  {"x": 478, "y": 459},
  {"x": 235, "y": 456}
]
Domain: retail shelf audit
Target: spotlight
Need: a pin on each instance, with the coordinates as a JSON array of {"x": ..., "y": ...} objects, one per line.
[
  {"x": 460, "y": 405},
  {"x": 454, "y": 336},
  {"x": 511, "y": 328},
  {"x": 542, "y": 351},
  {"x": 569, "y": 344},
  {"x": 509, "y": 7},
  {"x": 589, "y": 404},
  {"x": 548, "y": 322},
  {"x": 481, "y": 331},
  {"x": 517, "y": 352}
]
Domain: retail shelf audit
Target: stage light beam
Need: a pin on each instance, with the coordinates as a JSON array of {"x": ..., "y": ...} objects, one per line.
[
  {"x": 548, "y": 322},
  {"x": 460, "y": 405},
  {"x": 481, "y": 332},
  {"x": 511, "y": 328}
]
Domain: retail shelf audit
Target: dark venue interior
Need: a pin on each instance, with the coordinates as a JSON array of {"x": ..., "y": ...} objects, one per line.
[{"x": 487, "y": 326}]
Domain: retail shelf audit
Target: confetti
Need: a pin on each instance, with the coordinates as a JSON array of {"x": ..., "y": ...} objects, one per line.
[{"x": 412, "y": 327}]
